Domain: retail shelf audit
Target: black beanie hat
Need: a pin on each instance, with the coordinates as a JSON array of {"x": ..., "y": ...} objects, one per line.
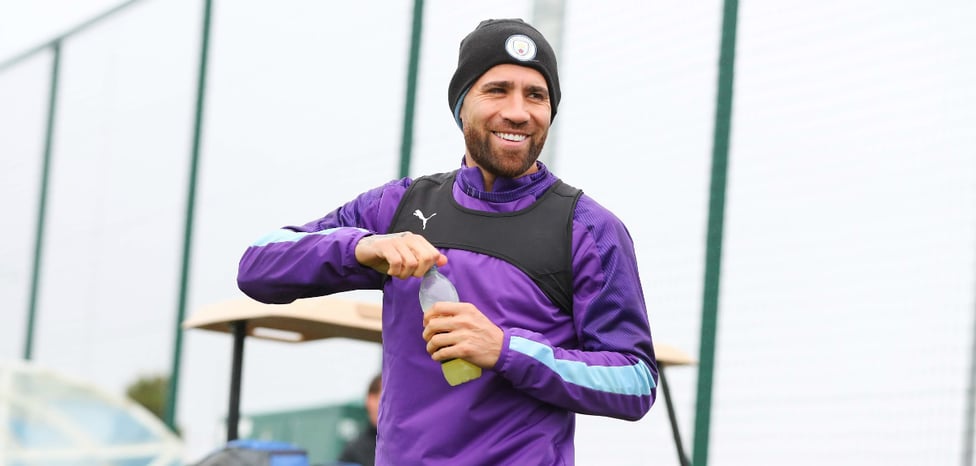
[{"x": 497, "y": 41}]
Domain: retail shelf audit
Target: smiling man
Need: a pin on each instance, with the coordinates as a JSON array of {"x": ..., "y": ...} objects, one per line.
[
  {"x": 507, "y": 113},
  {"x": 550, "y": 301}
]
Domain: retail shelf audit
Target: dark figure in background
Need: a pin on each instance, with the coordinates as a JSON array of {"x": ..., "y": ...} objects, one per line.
[{"x": 362, "y": 449}]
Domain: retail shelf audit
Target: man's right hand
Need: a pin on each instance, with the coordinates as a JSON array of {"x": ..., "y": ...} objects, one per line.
[{"x": 399, "y": 255}]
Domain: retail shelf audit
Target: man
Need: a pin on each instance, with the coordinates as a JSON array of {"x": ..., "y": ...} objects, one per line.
[
  {"x": 362, "y": 449},
  {"x": 551, "y": 306}
]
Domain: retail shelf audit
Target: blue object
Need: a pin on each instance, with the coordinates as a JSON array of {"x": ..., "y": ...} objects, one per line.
[{"x": 250, "y": 452}]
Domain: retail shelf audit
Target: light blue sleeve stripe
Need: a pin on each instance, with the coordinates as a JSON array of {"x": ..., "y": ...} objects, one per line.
[
  {"x": 624, "y": 380},
  {"x": 288, "y": 236}
]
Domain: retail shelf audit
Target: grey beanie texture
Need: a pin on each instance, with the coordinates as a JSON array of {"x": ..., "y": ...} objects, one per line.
[{"x": 498, "y": 41}]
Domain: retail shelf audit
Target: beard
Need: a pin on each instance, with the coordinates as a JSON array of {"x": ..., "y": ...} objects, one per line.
[{"x": 499, "y": 162}]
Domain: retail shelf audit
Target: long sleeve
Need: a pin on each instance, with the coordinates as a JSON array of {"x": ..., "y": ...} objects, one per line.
[
  {"x": 613, "y": 371},
  {"x": 317, "y": 258}
]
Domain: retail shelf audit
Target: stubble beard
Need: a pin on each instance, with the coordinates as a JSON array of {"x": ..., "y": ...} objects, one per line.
[{"x": 500, "y": 164}]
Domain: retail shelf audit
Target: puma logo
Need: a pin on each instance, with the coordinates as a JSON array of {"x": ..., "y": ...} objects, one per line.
[{"x": 420, "y": 215}]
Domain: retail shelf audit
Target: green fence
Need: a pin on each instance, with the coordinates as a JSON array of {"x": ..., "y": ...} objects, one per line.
[{"x": 322, "y": 431}]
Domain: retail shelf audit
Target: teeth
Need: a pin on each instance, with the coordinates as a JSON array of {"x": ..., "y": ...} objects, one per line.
[{"x": 511, "y": 137}]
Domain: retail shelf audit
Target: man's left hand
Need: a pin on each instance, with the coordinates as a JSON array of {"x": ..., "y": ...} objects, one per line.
[{"x": 460, "y": 330}]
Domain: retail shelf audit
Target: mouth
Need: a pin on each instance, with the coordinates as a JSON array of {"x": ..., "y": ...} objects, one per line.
[{"x": 512, "y": 137}]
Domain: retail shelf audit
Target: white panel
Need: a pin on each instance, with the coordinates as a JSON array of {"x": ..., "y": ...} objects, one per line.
[
  {"x": 107, "y": 290},
  {"x": 847, "y": 295},
  {"x": 24, "y": 98}
]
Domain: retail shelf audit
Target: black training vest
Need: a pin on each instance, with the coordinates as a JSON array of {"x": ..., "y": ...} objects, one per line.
[{"x": 538, "y": 239}]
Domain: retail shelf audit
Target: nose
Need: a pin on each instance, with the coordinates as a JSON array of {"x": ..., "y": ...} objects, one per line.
[{"x": 515, "y": 109}]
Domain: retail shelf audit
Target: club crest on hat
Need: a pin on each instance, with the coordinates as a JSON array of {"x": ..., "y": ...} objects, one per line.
[{"x": 520, "y": 47}]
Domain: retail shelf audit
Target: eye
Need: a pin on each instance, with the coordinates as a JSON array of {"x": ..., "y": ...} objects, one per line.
[{"x": 537, "y": 93}]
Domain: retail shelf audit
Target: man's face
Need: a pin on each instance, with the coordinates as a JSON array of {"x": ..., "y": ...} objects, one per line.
[{"x": 506, "y": 116}]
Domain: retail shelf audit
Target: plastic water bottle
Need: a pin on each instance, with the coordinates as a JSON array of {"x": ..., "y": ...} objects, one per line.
[{"x": 435, "y": 287}]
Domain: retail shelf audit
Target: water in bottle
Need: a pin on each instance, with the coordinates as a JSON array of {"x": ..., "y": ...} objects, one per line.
[{"x": 435, "y": 287}]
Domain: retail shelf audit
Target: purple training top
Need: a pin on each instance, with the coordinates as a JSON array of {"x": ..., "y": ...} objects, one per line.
[{"x": 599, "y": 360}]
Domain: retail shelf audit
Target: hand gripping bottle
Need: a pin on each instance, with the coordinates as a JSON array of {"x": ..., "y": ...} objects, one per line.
[{"x": 435, "y": 287}]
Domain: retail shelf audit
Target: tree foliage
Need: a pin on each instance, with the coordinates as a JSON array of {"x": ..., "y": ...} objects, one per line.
[{"x": 150, "y": 392}]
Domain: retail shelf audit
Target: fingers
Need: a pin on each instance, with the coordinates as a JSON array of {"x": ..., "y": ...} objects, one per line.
[
  {"x": 400, "y": 255},
  {"x": 445, "y": 346},
  {"x": 411, "y": 255},
  {"x": 442, "y": 318},
  {"x": 460, "y": 330}
]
